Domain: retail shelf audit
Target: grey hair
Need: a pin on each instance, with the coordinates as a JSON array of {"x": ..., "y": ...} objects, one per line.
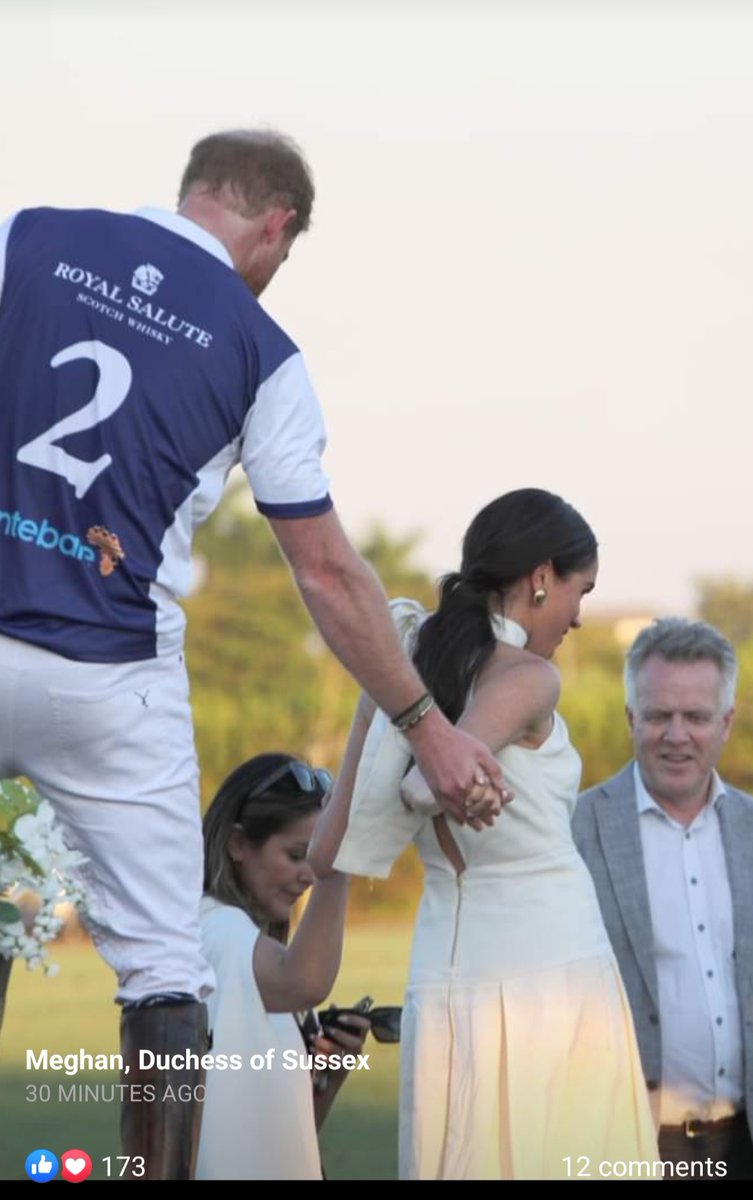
[{"x": 676, "y": 639}]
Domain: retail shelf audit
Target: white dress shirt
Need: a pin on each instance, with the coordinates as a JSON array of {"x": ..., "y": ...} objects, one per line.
[{"x": 691, "y": 915}]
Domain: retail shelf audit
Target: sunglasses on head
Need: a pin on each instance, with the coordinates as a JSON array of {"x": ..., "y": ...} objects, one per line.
[{"x": 308, "y": 779}]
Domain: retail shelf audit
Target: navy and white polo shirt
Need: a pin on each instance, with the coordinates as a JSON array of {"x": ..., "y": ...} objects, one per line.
[{"x": 136, "y": 368}]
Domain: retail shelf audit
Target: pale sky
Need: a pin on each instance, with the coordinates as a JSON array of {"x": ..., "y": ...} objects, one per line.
[{"x": 531, "y": 261}]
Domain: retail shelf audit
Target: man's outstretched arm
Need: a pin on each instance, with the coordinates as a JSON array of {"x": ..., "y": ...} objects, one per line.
[{"x": 349, "y": 608}]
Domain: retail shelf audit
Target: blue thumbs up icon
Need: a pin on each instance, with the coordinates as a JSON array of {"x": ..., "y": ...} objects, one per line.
[{"x": 41, "y": 1166}]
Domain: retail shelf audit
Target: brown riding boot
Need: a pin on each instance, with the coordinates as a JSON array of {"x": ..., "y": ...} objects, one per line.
[{"x": 161, "y": 1106}]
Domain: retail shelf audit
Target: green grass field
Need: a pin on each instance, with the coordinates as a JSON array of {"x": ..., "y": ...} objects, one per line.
[{"x": 75, "y": 1010}]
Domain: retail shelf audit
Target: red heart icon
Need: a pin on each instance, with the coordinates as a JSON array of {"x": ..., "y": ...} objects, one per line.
[{"x": 77, "y": 1165}]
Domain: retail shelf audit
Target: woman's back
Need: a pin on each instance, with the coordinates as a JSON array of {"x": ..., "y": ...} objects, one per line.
[
  {"x": 525, "y": 898},
  {"x": 518, "y": 1049}
]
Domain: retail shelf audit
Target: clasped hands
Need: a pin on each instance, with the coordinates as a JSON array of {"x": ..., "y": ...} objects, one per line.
[{"x": 482, "y": 804}]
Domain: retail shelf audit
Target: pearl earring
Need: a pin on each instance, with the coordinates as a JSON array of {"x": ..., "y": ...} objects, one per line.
[{"x": 539, "y": 596}]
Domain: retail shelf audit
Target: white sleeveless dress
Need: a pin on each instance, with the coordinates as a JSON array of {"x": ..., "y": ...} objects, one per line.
[
  {"x": 519, "y": 1058},
  {"x": 257, "y": 1121}
]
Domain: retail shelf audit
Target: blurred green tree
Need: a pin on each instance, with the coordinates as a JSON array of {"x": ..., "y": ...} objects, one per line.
[{"x": 727, "y": 604}]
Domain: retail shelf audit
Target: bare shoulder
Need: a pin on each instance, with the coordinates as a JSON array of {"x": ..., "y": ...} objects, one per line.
[
  {"x": 528, "y": 675},
  {"x": 514, "y": 698}
]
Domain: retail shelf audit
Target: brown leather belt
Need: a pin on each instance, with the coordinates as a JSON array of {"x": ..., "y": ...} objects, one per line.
[{"x": 694, "y": 1128}]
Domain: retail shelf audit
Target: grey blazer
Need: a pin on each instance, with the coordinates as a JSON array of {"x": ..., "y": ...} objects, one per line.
[{"x": 605, "y": 827}]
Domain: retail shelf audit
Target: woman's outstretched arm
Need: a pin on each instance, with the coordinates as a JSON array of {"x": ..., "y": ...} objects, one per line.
[
  {"x": 301, "y": 975},
  {"x": 331, "y": 826}
]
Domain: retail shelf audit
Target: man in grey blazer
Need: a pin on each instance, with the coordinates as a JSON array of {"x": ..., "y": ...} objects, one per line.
[{"x": 670, "y": 849}]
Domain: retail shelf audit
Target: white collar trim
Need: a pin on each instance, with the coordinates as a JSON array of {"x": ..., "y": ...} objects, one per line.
[
  {"x": 646, "y": 802},
  {"x": 507, "y": 630},
  {"x": 187, "y": 229}
]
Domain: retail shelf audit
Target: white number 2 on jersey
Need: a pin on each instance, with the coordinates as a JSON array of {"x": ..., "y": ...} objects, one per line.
[{"x": 115, "y": 377}]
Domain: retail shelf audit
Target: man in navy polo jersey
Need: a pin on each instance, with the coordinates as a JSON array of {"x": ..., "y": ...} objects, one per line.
[{"x": 136, "y": 368}]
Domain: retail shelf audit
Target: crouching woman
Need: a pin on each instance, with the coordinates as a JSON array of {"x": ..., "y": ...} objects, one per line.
[{"x": 259, "y": 1119}]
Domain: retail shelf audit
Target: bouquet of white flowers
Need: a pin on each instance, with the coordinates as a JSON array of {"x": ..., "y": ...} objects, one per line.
[{"x": 33, "y": 858}]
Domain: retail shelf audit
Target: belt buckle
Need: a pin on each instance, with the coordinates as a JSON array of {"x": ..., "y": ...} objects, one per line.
[{"x": 693, "y": 1128}]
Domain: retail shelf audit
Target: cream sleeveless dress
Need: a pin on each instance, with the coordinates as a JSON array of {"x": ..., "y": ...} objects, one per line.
[
  {"x": 258, "y": 1120},
  {"x": 518, "y": 1058}
]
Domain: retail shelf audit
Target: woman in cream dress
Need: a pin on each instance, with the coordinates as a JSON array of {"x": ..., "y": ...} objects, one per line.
[{"x": 519, "y": 1055}]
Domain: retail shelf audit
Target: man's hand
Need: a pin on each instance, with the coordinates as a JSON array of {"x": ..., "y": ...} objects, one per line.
[
  {"x": 455, "y": 765},
  {"x": 482, "y": 805},
  {"x": 349, "y": 608}
]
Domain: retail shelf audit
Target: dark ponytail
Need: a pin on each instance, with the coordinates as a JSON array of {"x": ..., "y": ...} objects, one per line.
[
  {"x": 505, "y": 541},
  {"x": 454, "y": 643}
]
